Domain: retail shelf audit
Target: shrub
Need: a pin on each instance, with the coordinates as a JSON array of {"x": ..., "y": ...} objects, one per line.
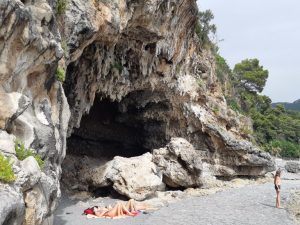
[
  {"x": 60, "y": 74},
  {"x": 222, "y": 68},
  {"x": 285, "y": 148},
  {"x": 6, "y": 172},
  {"x": 61, "y": 6},
  {"x": 22, "y": 153},
  {"x": 234, "y": 105}
]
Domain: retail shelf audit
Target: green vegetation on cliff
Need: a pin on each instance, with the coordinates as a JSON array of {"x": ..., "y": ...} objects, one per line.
[
  {"x": 204, "y": 28},
  {"x": 277, "y": 130},
  {"x": 61, "y": 6},
  {"x": 60, "y": 74},
  {"x": 6, "y": 172},
  {"x": 22, "y": 153}
]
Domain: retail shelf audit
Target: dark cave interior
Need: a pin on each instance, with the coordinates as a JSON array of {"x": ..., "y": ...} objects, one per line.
[{"x": 118, "y": 129}]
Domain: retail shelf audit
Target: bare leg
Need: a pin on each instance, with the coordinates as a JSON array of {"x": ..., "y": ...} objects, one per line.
[
  {"x": 130, "y": 205},
  {"x": 116, "y": 211},
  {"x": 277, "y": 199},
  {"x": 126, "y": 211},
  {"x": 119, "y": 210}
]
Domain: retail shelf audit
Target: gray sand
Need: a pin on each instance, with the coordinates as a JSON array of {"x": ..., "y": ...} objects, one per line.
[{"x": 253, "y": 204}]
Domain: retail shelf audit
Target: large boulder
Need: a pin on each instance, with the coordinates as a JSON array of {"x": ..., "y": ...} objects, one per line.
[
  {"x": 30, "y": 173},
  {"x": 180, "y": 163},
  {"x": 135, "y": 177},
  {"x": 293, "y": 166}
]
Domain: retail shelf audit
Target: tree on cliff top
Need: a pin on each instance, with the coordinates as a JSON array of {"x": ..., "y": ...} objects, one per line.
[
  {"x": 204, "y": 27},
  {"x": 251, "y": 75},
  {"x": 277, "y": 130}
]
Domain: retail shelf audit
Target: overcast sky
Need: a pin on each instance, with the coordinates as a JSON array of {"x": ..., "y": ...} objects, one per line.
[{"x": 265, "y": 29}]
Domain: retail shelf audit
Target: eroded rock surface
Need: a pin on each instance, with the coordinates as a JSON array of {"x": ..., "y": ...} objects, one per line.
[
  {"x": 180, "y": 163},
  {"x": 34, "y": 109},
  {"x": 135, "y": 177},
  {"x": 12, "y": 206},
  {"x": 32, "y": 173},
  {"x": 155, "y": 85}
]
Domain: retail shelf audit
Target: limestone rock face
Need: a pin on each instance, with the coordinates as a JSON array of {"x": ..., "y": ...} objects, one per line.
[
  {"x": 36, "y": 206},
  {"x": 156, "y": 84},
  {"x": 12, "y": 105},
  {"x": 7, "y": 144},
  {"x": 12, "y": 205},
  {"x": 180, "y": 163},
  {"x": 33, "y": 106}
]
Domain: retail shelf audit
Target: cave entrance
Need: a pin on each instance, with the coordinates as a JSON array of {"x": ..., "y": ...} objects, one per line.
[
  {"x": 127, "y": 128},
  {"x": 107, "y": 131}
]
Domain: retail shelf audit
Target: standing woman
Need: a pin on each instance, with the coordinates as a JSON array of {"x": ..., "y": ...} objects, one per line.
[{"x": 277, "y": 183}]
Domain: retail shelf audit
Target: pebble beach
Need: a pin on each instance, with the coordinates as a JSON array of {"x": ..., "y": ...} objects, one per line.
[{"x": 252, "y": 204}]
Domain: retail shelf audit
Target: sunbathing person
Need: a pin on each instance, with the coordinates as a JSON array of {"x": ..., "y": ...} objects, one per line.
[
  {"x": 131, "y": 208},
  {"x": 118, "y": 211}
]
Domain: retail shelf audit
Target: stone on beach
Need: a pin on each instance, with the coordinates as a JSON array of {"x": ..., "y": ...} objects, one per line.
[
  {"x": 293, "y": 166},
  {"x": 180, "y": 163},
  {"x": 135, "y": 177}
]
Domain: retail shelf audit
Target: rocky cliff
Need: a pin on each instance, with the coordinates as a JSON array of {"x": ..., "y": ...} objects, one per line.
[{"x": 139, "y": 94}]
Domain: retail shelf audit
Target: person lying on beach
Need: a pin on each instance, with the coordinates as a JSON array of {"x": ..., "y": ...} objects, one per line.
[{"x": 119, "y": 210}]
